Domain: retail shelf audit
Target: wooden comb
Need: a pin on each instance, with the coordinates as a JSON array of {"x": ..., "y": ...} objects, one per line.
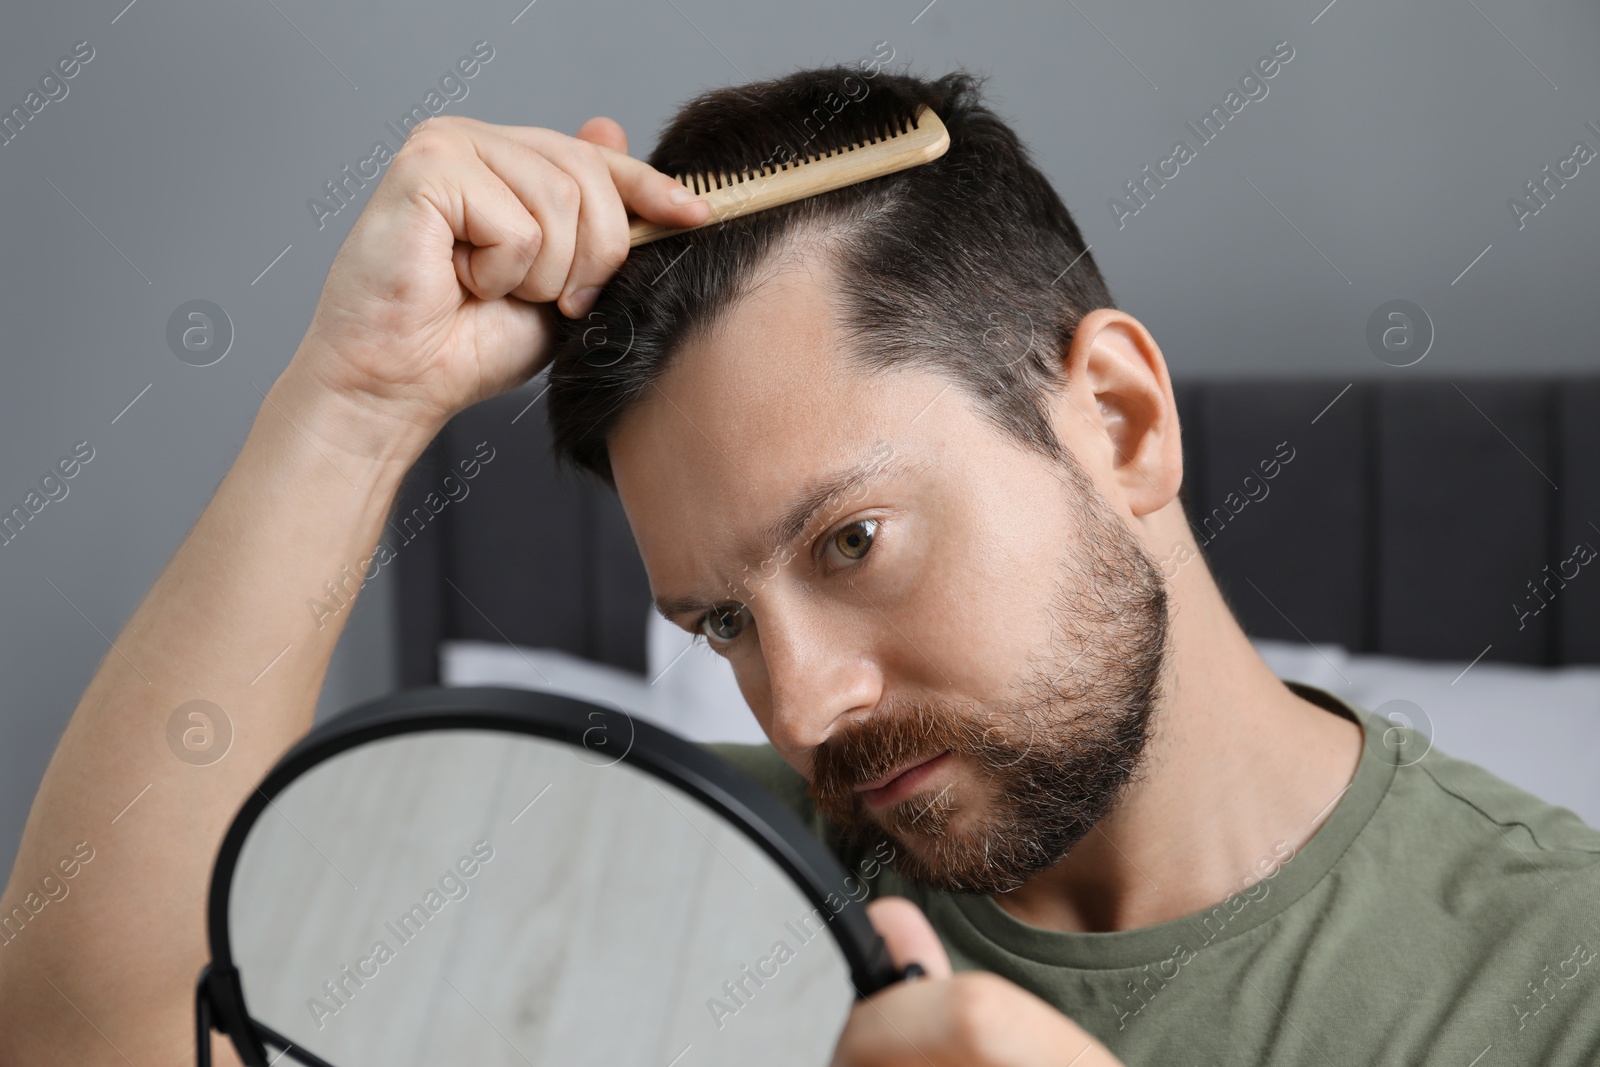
[{"x": 903, "y": 143}]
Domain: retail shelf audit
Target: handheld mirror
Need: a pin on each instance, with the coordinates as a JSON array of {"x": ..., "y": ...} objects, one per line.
[{"x": 497, "y": 876}]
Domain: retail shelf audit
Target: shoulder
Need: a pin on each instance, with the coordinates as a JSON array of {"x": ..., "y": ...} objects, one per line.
[
  {"x": 1520, "y": 878},
  {"x": 1497, "y": 849},
  {"x": 1448, "y": 806},
  {"x": 1453, "y": 823},
  {"x": 1455, "y": 791},
  {"x": 1444, "y": 836}
]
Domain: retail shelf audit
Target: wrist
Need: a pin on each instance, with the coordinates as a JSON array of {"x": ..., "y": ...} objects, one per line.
[{"x": 363, "y": 428}]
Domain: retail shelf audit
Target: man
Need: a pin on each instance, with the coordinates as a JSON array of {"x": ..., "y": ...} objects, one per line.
[{"x": 894, "y": 453}]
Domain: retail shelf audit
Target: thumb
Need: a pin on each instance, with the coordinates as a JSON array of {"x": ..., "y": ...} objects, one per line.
[
  {"x": 908, "y": 935},
  {"x": 605, "y": 132}
]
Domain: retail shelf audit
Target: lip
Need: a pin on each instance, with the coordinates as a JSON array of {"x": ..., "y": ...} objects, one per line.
[{"x": 897, "y": 786}]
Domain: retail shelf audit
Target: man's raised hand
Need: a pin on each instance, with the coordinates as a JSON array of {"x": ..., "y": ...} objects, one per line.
[{"x": 444, "y": 291}]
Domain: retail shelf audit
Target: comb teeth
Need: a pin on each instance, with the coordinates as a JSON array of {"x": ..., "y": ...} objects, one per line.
[
  {"x": 827, "y": 143},
  {"x": 832, "y": 161}
]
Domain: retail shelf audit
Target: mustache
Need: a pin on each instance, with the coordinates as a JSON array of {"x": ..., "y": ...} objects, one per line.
[{"x": 895, "y": 736}]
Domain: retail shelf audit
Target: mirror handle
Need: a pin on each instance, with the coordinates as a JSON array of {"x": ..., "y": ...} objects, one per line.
[{"x": 202, "y": 1018}]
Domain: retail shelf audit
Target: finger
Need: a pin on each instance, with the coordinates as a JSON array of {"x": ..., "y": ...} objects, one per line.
[
  {"x": 645, "y": 191},
  {"x": 551, "y": 194},
  {"x": 604, "y": 131},
  {"x": 653, "y": 195},
  {"x": 909, "y": 936},
  {"x": 441, "y": 167},
  {"x": 602, "y": 228}
]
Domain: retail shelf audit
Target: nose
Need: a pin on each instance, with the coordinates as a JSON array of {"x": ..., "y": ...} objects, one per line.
[{"x": 820, "y": 670}]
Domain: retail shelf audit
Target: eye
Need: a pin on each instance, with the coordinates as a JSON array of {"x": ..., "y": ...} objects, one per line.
[
  {"x": 724, "y": 622},
  {"x": 855, "y": 540}
]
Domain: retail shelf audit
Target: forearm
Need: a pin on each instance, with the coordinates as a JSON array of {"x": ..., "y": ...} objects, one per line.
[
  {"x": 431, "y": 304},
  {"x": 228, "y": 621}
]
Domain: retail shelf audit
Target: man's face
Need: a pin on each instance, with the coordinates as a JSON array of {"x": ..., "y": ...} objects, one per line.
[{"x": 956, "y": 640}]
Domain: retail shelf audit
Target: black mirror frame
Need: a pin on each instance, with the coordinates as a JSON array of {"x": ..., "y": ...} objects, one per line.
[{"x": 219, "y": 994}]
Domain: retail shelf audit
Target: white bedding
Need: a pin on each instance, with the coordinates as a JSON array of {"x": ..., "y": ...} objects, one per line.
[{"x": 1538, "y": 728}]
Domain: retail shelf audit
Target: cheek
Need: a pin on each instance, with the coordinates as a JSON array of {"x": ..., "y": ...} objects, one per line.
[{"x": 981, "y": 605}]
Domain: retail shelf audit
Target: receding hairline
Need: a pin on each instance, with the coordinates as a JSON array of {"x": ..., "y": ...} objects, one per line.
[{"x": 802, "y": 246}]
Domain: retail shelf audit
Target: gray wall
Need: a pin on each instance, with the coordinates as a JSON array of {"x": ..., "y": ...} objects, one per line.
[{"x": 178, "y": 166}]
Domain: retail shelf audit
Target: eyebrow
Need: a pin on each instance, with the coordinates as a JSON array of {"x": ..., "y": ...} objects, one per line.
[{"x": 793, "y": 522}]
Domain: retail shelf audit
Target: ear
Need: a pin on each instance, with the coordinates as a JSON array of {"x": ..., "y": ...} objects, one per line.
[{"x": 1117, "y": 413}]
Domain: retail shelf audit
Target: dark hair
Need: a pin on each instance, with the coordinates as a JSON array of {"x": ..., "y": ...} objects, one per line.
[{"x": 969, "y": 265}]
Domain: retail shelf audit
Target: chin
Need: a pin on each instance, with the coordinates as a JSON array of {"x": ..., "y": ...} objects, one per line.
[{"x": 970, "y": 846}]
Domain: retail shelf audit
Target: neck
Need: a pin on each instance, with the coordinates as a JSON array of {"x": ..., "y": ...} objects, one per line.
[{"x": 1239, "y": 773}]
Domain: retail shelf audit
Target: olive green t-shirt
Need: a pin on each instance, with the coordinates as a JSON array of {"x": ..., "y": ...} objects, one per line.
[{"x": 1439, "y": 915}]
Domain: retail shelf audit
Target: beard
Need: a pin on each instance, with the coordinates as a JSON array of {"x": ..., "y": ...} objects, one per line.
[{"x": 1049, "y": 764}]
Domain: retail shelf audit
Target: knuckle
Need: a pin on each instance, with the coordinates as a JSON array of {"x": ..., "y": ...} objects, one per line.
[
  {"x": 427, "y": 144},
  {"x": 527, "y": 244},
  {"x": 442, "y": 124},
  {"x": 565, "y": 196},
  {"x": 591, "y": 155},
  {"x": 610, "y": 249}
]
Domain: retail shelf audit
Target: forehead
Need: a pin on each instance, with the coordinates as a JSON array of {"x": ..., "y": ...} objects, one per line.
[{"x": 747, "y": 415}]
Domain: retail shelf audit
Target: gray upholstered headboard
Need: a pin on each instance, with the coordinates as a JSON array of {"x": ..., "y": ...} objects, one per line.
[{"x": 1427, "y": 519}]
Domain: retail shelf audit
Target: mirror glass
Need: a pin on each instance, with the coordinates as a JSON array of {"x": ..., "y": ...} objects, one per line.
[{"x": 471, "y": 896}]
